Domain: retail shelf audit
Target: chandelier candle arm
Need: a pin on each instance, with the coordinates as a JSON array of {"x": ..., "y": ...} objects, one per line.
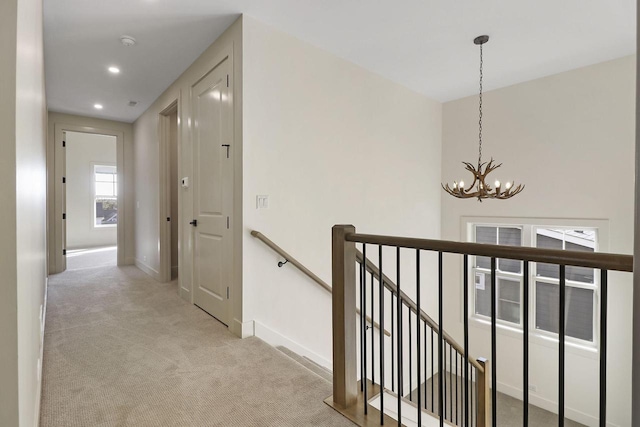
[{"x": 483, "y": 191}]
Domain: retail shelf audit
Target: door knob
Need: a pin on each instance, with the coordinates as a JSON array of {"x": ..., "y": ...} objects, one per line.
[{"x": 194, "y": 223}]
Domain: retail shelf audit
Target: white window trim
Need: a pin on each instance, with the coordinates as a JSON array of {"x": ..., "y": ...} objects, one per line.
[
  {"x": 574, "y": 345},
  {"x": 93, "y": 199}
]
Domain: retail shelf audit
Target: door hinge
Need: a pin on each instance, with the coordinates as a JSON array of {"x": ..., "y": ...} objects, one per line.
[
  {"x": 227, "y": 80},
  {"x": 227, "y": 223},
  {"x": 227, "y": 292},
  {"x": 64, "y": 143},
  {"x": 64, "y": 179},
  {"x": 64, "y": 216},
  {"x": 168, "y": 218},
  {"x": 64, "y": 252}
]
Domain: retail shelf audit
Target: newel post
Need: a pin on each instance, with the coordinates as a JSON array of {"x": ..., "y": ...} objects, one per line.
[
  {"x": 344, "y": 316},
  {"x": 484, "y": 394}
]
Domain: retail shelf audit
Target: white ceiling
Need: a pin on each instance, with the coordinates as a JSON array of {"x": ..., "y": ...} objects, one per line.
[{"x": 425, "y": 45}]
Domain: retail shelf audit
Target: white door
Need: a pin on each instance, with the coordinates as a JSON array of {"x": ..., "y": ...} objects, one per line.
[{"x": 213, "y": 191}]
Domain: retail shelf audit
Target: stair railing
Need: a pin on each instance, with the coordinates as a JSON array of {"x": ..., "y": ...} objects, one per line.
[
  {"x": 349, "y": 278},
  {"x": 290, "y": 259}
]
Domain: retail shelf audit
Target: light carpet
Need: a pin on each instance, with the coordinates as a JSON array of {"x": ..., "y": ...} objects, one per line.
[{"x": 124, "y": 350}]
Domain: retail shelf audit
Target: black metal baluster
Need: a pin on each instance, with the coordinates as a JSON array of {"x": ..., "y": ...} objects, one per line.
[
  {"x": 393, "y": 363},
  {"x": 410, "y": 358},
  {"x": 561, "y": 325},
  {"x": 443, "y": 375},
  {"x": 381, "y": 334},
  {"x": 418, "y": 335},
  {"x": 471, "y": 368},
  {"x": 450, "y": 382},
  {"x": 364, "y": 323},
  {"x": 494, "y": 382},
  {"x": 373, "y": 338},
  {"x": 425, "y": 365},
  {"x": 433, "y": 406},
  {"x": 603, "y": 347},
  {"x": 465, "y": 281},
  {"x": 525, "y": 345},
  {"x": 440, "y": 342},
  {"x": 399, "y": 311}
]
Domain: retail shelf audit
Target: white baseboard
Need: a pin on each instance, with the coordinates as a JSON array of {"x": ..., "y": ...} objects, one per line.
[
  {"x": 242, "y": 329},
  {"x": 275, "y": 338},
  {"x": 552, "y": 406},
  {"x": 147, "y": 269}
]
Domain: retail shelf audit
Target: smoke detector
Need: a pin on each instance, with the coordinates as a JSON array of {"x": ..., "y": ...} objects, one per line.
[{"x": 127, "y": 40}]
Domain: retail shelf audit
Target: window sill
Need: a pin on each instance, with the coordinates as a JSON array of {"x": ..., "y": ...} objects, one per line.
[
  {"x": 586, "y": 351},
  {"x": 105, "y": 226}
]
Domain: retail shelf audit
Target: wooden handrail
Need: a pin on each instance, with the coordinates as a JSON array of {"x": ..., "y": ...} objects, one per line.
[
  {"x": 605, "y": 261},
  {"x": 389, "y": 284},
  {"x": 264, "y": 239}
]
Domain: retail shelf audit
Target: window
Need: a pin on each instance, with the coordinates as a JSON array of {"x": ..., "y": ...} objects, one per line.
[
  {"x": 508, "y": 275},
  {"x": 581, "y": 283},
  {"x": 105, "y": 196}
]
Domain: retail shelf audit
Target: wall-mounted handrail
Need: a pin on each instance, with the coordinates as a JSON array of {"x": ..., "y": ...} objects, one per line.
[
  {"x": 264, "y": 239},
  {"x": 600, "y": 260},
  {"x": 391, "y": 286}
]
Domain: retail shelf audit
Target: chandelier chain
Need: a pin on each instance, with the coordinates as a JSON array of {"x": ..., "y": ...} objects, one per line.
[{"x": 480, "y": 114}]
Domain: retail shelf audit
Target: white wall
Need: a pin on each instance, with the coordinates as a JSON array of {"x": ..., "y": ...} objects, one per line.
[
  {"x": 23, "y": 209},
  {"x": 84, "y": 150},
  {"x": 330, "y": 143},
  {"x": 570, "y": 139}
]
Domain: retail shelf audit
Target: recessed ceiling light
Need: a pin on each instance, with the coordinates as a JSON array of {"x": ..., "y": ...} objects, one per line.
[
  {"x": 114, "y": 70},
  {"x": 127, "y": 40},
  {"x": 97, "y": 106}
]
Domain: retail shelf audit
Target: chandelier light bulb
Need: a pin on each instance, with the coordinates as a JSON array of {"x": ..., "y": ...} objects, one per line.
[
  {"x": 455, "y": 185},
  {"x": 497, "y": 184},
  {"x": 461, "y": 184},
  {"x": 508, "y": 185}
]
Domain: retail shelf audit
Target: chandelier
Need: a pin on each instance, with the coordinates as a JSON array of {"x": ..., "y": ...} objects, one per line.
[{"x": 479, "y": 188}]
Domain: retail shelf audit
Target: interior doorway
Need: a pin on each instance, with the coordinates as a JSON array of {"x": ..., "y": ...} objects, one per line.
[
  {"x": 170, "y": 186},
  {"x": 91, "y": 200}
]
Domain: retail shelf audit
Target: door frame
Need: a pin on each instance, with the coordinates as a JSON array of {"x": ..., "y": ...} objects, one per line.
[
  {"x": 57, "y": 259},
  {"x": 165, "y": 190}
]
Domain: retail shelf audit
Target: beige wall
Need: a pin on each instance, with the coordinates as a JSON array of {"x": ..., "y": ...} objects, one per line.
[
  {"x": 84, "y": 150},
  {"x": 59, "y": 121},
  {"x": 149, "y": 217},
  {"x": 8, "y": 289},
  {"x": 570, "y": 139},
  {"x": 23, "y": 192},
  {"x": 329, "y": 142}
]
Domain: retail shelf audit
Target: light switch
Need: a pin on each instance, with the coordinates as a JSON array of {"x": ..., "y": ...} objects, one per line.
[{"x": 262, "y": 202}]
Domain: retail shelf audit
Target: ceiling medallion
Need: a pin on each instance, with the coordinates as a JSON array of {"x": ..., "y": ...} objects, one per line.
[{"x": 482, "y": 189}]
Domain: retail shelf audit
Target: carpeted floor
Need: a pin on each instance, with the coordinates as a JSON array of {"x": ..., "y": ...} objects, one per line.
[
  {"x": 92, "y": 257},
  {"x": 124, "y": 350}
]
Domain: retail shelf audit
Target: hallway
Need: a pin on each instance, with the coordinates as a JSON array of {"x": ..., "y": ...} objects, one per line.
[{"x": 124, "y": 350}]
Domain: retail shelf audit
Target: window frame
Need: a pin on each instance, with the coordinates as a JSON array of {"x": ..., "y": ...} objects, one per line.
[
  {"x": 529, "y": 229},
  {"x": 94, "y": 166}
]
